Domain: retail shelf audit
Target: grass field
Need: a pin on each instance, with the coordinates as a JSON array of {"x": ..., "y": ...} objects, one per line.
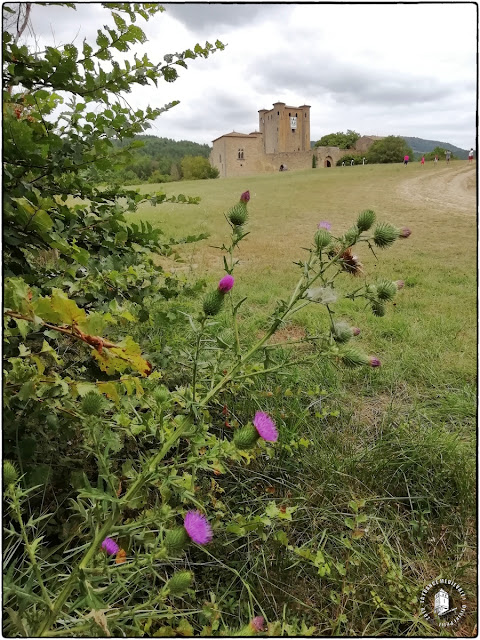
[{"x": 404, "y": 439}]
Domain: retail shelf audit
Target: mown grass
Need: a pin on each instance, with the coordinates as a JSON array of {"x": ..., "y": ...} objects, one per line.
[{"x": 404, "y": 439}]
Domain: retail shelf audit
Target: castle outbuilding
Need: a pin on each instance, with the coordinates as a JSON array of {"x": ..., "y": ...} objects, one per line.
[{"x": 282, "y": 142}]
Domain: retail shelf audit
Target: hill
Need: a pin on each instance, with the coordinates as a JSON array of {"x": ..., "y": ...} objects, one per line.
[
  {"x": 420, "y": 146},
  {"x": 159, "y": 159}
]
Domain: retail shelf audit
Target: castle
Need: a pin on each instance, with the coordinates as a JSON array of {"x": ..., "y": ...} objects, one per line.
[{"x": 282, "y": 142}]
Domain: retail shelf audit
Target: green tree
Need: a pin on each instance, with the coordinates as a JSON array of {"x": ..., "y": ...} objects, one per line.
[
  {"x": 440, "y": 152},
  {"x": 340, "y": 139},
  {"x": 197, "y": 168},
  {"x": 389, "y": 149}
]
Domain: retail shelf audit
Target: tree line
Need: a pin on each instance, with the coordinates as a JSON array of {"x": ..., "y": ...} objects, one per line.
[{"x": 156, "y": 160}]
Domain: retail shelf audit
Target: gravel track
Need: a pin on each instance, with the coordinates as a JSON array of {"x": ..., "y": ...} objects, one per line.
[{"x": 449, "y": 188}]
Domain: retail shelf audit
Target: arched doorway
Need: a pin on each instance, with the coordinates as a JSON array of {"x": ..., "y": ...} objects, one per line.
[{"x": 328, "y": 162}]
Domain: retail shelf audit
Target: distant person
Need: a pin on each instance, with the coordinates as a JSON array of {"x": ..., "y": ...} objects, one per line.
[
  {"x": 352, "y": 162},
  {"x": 470, "y": 156},
  {"x": 447, "y": 156},
  {"x": 405, "y": 160},
  {"x": 436, "y": 160},
  {"x": 343, "y": 163},
  {"x": 363, "y": 160},
  {"x": 422, "y": 161}
]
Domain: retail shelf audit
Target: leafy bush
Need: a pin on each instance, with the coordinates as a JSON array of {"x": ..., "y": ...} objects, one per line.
[
  {"x": 198, "y": 168},
  {"x": 158, "y": 177},
  {"x": 389, "y": 149},
  {"x": 347, "y": 158},
  {"x": 339, "y": 139}
]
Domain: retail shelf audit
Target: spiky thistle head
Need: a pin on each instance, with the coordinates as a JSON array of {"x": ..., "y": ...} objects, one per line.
[
  {"x": 92, "y": 404},
  {"x": 385, "y": 234},
  {"x": 322, "y": 239},
  {"x": 342, "y": 331},
  {"x": 386, "y": 289},
  {"x": 10, "y": 473},
  {"x": 238, "y": 214},
  {"x": 365, "y": 220},
  {"x": 378, "y": 308},
  {"x": 179, "y": 582},
  {"x": 351, "y": 236},
  {"x": 352, "y": 357},
  {"x": 245, "y": 437},
  {"x": 212, "y": 303},
  {"x": 175, "y": 540}
]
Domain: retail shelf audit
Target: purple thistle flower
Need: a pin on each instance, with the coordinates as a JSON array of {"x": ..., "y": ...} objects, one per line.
[
  {"x": 374, "y": 362},
  {"x": 265, "y": 426},
  {"x": 355, "y": 331},
  {"x": 110, "y": 546},
  {"x": 405, "y": 232},
  {"x": 245, "y": 197},
  {"x": 197, "y": 527},
  {"x": 226, "y": 283},
  {"x": 324, "y": 225},
  {"x": 399, "y": 284},
  {"x": 258, "y": 623}
]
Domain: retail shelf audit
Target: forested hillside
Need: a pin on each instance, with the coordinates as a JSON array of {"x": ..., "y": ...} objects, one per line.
[
  {"x": 420, "y": 146},
  {"x": 159, "y": 159}
]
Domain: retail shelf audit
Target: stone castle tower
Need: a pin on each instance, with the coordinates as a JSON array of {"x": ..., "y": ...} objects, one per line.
[
  {"x": 285, "y": 129},
  {"x": 281, "y": 143}
]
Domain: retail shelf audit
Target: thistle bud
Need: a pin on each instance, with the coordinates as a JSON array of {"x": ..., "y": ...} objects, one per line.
[
  {"x": 342, "y": 332},
  {"x": 238, "y": 214},
  {"x": 399, "y": 284},
  {"x": 10, "y": 473},
  {"x": 374, "y": 362},
  {"x": 91, "y": 404},
  {"x": 385, "y": 235},
  {"x": 352, "y": 357},
  {"x": 351, "y": 236},
  {"x": 180, "y": 582},
  {"x": 245, "y": 437},
  {"x": 405, "y": 232},
  {"x": 245, "y": 197},
  {"x": 212, "y": 303},
  {"x": 365, "y": 220},
  {"x": 356, "y": 331},
  {"x": 386, "y": 289},
  {"x": 378, "y": 308},
  {"x": 322, "y": 239},
  {"x": 175, "y": 540},
  {"x": 161, "y": 394}
]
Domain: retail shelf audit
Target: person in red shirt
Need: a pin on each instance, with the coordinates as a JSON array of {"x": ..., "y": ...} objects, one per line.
[
  {"x": 405, "y": 160},
  {"x": 422, "y": 161}
]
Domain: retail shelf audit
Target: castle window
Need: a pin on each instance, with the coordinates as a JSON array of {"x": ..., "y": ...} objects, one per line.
[
  {"x": 296, "y": 115},
  {"x": 239, "y": 154},
  {"x": 289, "y": 114},
  {"x": 278, "y": 113},
  {"x": 220, "y": 158}
]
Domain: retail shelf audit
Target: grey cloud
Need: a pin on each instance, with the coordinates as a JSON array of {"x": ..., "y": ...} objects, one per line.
[
  {"x": 350, "y": 84},
  {"x": 200, "y": 16}
]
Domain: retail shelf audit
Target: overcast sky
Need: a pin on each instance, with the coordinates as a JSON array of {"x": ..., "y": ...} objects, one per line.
[{"x": 381, "y": 69}]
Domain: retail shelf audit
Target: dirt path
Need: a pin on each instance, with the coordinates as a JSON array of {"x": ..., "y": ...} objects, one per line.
[{"x": 452, "y": 188}]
